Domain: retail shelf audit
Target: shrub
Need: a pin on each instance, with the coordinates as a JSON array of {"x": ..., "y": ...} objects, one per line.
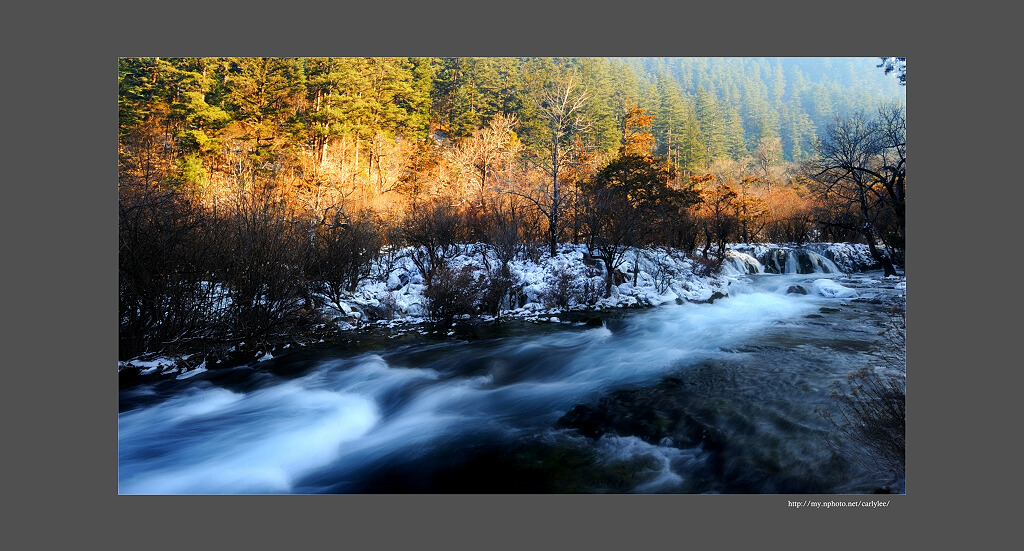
[
  {"x": 433, "y": 231},
  {"x": 265, "y": 260},
  {"x": 499, "y": 291},
  {"x": 165, "y": 295},
  {"x": 452, "y": 292},
  {"x": 563, "y": 289},
  {"x": 346, "y": 253},
  {"x": 706, "y": 267}
]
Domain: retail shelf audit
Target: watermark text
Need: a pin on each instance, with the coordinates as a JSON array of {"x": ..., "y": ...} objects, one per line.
[{"x": 871, "y": 504}]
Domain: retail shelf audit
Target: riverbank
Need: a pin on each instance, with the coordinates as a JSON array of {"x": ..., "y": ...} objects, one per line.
[{"x": 562, "y": 291}]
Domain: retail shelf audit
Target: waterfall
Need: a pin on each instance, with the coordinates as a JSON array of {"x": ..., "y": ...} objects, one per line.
[
  {"x": 785, "y": 260},
  {"x": 737, "y": 263}
]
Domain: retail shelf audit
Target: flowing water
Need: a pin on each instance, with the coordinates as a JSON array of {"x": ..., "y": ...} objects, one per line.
[{"x": 692, "y": 398}]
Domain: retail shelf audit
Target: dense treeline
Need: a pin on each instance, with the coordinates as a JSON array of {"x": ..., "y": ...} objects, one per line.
[
  {"x": 254, "y": 189},
  {"x": 705, "y": 108}
]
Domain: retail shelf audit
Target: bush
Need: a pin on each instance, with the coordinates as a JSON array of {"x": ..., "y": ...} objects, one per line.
[
  {"x": 499, "y": 291},
  {"x": 165, "y": 295},
  {"x": 265, "y": 258},
  {"x": 563, "y": 290},
  {"x": 433, "y": 230},
  {"x": 346, "y": 252},
  {"x": 452, "y": 292},
  {"x": 706, "y": 267},
  {"x": 663, "y": 270}
]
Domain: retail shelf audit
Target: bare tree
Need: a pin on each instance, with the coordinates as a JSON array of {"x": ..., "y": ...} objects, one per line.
[
  {"x": 346, "y": 251},
  {"x": 768, "y": 152},
  {"x": 896, "y": 65},
  {"x": 490, "y": 145},
  {"x": 433, "y": 230},
  {"x": 560, "y": 105},
  {"x": 862, "y": 163},
  {"x": 892, "y": 170}
]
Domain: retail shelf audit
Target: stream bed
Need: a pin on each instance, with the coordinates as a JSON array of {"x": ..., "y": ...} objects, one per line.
[{"x": 690, "y": 398}]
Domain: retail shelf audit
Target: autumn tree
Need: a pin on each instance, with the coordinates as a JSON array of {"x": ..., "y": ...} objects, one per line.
[
  {"x": 487, "y": 150},
  {"x": 790, "y": 214},
  {"x": 631, "y": 197},
  {"x": 715, "y": 213}
]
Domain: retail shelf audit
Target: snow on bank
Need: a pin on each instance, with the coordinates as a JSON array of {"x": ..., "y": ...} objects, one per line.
[
  {"x": 164, "y": 364},
  {"x": 394, "y": 294},
  {"x": 646, "y": 277},
  {"x": 574, "y": 276}
]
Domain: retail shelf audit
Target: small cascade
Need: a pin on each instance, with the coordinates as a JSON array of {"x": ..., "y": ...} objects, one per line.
[
  {"x": 791, "y": 263},
  {"x": 821, "y": 264},
  {"x": 736, "y": 263},
  {"x": 797, "y": 261}
]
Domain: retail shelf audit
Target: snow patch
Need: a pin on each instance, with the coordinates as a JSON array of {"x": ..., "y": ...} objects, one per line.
[
  {"x": 829, "y": 288},
  {"x": 193, "y": 372}
]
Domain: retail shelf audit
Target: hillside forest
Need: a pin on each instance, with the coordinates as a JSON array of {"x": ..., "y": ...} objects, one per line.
[{"x": 252, "y": 189}]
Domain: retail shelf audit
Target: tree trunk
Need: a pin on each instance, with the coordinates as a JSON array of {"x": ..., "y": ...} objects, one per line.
[
  {"x": 555, "y": 199},
  {"x": 878, "y": 255},
  {"x": 355, "y": 168}
]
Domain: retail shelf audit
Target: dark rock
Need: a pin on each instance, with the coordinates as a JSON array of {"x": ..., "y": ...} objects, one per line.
[
  {"x": 653, "y": 414},
  {"x": 595, "y": 321},
  {"x": 796, "y": 289},
  {"x": 828, "y": 310}
]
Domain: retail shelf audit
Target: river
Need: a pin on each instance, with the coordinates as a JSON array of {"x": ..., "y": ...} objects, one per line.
[{"x": 691, "y": 398}]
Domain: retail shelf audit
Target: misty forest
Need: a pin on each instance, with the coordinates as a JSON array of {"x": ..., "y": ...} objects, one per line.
[{"x": 511, "y": 275}]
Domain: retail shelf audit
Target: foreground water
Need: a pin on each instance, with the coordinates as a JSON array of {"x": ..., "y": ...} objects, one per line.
[{"x": 694, "y": 398}]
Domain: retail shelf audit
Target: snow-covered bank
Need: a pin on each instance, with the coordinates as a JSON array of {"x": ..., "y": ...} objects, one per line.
[
  {"x": 572, "y": 278},
  {"x": 545, "y": 288}
]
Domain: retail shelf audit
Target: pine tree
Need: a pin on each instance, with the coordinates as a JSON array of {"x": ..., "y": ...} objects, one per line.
[
  {"x": 712, "y": 124},
  {"x": 671, "y": 121}
]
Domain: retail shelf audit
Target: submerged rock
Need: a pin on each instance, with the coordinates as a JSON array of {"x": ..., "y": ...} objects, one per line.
[
  {"x": 715, "y": 296},
  {"x": 653, "y": 415}
]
